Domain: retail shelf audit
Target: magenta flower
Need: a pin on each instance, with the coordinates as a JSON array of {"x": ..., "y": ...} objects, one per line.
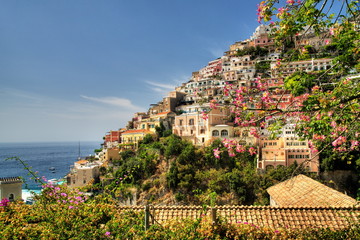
[
  {"x": 4, "y": 202},
  {"x": 107, "y": 234}
]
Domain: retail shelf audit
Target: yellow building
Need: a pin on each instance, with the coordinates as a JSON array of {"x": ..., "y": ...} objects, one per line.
[{"x": 130, "y": 139}]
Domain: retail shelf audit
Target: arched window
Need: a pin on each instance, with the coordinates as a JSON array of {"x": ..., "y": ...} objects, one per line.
[
  {"x": 224, "y": 133},
  {"x": 215, "y": 133},
  {"x": 269, "y": 167},
  {"x": 11, "y": 197}
]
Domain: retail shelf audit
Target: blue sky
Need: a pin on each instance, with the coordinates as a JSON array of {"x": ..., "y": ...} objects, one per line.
[{"x": 72, "y": 70}]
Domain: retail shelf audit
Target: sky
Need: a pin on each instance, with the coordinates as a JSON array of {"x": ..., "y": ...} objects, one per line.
[{"x": 73, "y": 70}]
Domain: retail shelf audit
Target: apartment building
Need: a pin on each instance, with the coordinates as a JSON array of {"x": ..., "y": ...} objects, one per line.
[
  {"x": 211, "y": 70},
  {"x": 285, "y": 150},
  {"x": 191, "y": 124},
  {"x": 82, "y": 173},
  {"x": 289, "y": 68},
  {"x": 130, "y": 138}
]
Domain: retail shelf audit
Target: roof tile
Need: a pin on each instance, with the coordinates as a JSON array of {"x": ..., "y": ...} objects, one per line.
[{"x": 304, "y": 191}]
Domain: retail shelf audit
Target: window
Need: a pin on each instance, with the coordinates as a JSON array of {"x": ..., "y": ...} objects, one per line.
[
  {"x": 191, "y": 121},
  {"x": 224, "y": 133},
  {"x": 180, "y": 122},
  {"x": 215, "y": 133},
  {"x": 11, "y": 197}
]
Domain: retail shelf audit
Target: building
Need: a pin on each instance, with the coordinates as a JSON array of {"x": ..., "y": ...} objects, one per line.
[
  {"x": 304, "y": 191},
  {"x": 130, "y": 138},
  {"x": 112, "y": 139},
  {"x": 83, "y": 173},
  {"x": 10, "y": 188},
  {"x": 192, "y": 125}
]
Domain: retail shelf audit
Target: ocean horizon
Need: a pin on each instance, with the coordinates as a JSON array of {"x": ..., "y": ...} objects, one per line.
[{"x": 42, "y": 157}]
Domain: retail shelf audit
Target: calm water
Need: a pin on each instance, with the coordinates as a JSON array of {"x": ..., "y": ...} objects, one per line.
[{"x": 42, "y": 156}]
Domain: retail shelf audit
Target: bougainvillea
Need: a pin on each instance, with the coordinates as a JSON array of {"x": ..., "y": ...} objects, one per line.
[{"x": 323, "y": 104}]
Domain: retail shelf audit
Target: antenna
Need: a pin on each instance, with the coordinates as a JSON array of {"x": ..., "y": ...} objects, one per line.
[{"x": 79, "y": 151}]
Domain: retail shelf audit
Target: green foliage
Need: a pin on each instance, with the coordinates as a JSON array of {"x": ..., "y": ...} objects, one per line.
[
  {"x": 253, "y": 52},
  {"x": 100, "y": 218},
  {"x": 299, "y": 83},
  {"x": 126, "y": 154},
  {"x": 262, "y": 66},
  {"x": 148, "y": 138},
  {"x": 173, "y": 146}
]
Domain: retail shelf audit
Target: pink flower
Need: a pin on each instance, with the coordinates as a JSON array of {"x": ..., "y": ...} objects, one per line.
[
  {"x": 252, "y": 151},
  {"x": 217, "y": 153},
  {"x": 339, "y": 141},
  {"x": 354, "y": 144},
  {"x": 331, "y": 31},
  {"x": 290, "y": 2},
  {"x": 71, "y": 207},
  {"x": 254, "y": 132},
  {"x": 240, "y": 148},
  {"x": 231, "y": 153},
  {"x": 213, "y": 104},
  {"x": 107, "y": 234},
  {"x": 204, "y": 115}
]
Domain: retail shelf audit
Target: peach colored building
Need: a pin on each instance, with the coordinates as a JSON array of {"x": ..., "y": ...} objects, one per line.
[
  {"x": 192, "y": 126},
  {"x": 284, "y": 151}
]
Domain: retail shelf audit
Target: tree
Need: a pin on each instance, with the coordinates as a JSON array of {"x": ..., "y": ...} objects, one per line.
[{"x": 325, "y": 104}]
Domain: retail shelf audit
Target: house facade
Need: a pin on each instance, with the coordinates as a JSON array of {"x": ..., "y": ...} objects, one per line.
[{"x": 10, "y": 188}]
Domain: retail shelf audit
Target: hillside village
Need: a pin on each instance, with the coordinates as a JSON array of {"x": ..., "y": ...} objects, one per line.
[
  {"x": 196, "y": 112},
  {"x": 182, "y": 110}
]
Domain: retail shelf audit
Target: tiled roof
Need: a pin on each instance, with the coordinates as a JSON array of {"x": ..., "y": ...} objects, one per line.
[
  {"x": 82, "y": 162},
  {"x": 8, "y": 180},
  {"x": 136, "y": 131},
  {"x": 262, "y": 216},
  {"x": 304, "y": 191},
  {"x": 163, "y": 113}
]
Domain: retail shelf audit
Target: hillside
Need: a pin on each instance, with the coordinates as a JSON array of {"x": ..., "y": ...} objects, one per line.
[{"x": 173, "y": 171}]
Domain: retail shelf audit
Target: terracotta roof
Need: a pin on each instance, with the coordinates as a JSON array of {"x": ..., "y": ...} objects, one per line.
[
  {"x": 163, "y": 113},
  {"x": 262, "y": 216},
  {"x": 136, "y": 131},
  {"x": 304, "y": 191},
  {"x": 82, "y": 162}
]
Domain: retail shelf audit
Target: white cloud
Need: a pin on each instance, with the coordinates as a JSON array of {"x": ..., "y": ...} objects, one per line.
[
  {"x": 31, "y": 117},
  {"x": 159, "y": 90},
  {"x": 216, "y": 52},
  {"x": 163, "y": 86},
  {"x": 115, "y": 101}
]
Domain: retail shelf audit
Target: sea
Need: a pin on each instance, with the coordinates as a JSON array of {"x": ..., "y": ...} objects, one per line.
[{"x": 51, "y": 160}]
